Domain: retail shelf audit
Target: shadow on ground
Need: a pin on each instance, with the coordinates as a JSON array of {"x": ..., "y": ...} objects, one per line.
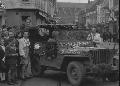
[{"x": 62, "y": 78}]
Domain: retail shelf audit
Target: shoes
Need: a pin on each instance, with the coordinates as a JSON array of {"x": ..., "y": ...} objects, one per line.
[
  {"x": 29, "y": 76},
  {"x": 10, "y": 83},
  {"x": 3, "y": 81},
  {"x": 15, "y": 82}
]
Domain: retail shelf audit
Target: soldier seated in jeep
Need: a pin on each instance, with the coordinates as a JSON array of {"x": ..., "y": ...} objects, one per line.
[{"x": 94, "y": 37}]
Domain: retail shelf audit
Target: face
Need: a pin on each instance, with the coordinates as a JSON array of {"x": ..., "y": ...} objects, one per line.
[
  {"x": 0, "y": 29},
  {"x": 93, "y": 30},
  {"x": 26, "y": 34},
  {"x": 41, "y": 31},
  {"x": 4, "y": 30},
  {"x": 2, "y": 42},
  {"x": 11, "y": 34}
]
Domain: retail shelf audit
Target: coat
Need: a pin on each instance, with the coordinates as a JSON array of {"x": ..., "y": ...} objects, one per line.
[
  {"x": 11, "y": 52},
  {"x": 2, "y": 64}
]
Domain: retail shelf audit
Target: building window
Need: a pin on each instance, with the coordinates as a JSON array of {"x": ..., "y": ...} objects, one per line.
[
  {"x": 26, "y": 19},
  {"x": 25, "y": 0}
]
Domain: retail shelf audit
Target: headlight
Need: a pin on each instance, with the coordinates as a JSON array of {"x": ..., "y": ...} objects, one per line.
[{"x": 37, "y": 46}]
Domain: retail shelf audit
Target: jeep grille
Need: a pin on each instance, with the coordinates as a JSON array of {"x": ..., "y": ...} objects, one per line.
[{"x": 102, "y": 56}]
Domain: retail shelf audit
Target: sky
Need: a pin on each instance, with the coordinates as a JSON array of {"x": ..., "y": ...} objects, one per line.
[{"x": 74, "y": 1}]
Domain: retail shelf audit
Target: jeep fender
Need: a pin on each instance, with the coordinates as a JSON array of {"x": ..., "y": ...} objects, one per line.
[{"x": 67, "y": 59}]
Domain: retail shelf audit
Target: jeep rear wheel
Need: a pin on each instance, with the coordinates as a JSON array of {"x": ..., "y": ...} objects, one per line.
[{"x": 75, "y": 72}]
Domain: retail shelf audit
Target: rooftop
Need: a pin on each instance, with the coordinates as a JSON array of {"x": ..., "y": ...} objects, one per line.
[{"x": 71, "y": 5}]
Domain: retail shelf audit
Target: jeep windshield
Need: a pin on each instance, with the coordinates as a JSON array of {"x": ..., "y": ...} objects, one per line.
[{"x": 72, "y": 35}]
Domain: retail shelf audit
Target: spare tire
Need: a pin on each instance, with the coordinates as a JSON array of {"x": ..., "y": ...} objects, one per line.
[{"x": 75, "y": 73}]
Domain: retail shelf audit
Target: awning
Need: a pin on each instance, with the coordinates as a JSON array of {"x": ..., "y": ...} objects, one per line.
[
  {"x": 41, "y": 14},
  {"x": 47, "y": 17}
]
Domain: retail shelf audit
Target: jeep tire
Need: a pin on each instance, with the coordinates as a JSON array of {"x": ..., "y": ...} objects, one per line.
[{"x": 75, "y": 72}]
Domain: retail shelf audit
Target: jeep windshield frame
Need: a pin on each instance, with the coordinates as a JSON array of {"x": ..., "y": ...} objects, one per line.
[{"x": 65, "y": 32}]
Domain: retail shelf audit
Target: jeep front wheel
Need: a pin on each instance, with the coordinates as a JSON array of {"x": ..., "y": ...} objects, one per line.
[{"x": 75, "y": 72}]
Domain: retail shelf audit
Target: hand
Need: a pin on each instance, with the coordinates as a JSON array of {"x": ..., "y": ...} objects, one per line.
[
  {"x": 24, "y": 57},
  {"x": 14, "y": 54}
]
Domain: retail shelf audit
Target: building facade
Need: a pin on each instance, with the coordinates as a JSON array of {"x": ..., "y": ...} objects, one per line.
[
  {"x": 68, "y": 13},
  {"x": 93, "y": 12},
  {"x": 29, "y": 12},
  {"x": 111, "y": 17},
  {"x": 2, "y": 13}
]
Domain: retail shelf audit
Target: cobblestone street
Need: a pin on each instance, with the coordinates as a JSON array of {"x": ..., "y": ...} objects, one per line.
[{"x": 52, "y": 78}]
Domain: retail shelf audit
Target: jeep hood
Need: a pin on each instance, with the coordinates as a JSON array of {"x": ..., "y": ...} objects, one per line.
[{"x": 74, "y": 47}]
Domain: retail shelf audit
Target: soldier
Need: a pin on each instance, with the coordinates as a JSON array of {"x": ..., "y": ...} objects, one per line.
[
  {"x": 94, "y": 37},
  {"x": 11, "y": 58}
]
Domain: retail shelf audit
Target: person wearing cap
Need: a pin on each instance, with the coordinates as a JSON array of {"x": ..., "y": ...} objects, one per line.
[{"x": 94, "y": 37}]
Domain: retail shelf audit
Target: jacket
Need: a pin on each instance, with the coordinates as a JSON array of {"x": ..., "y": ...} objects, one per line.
[{"x": 2, "y": 64}]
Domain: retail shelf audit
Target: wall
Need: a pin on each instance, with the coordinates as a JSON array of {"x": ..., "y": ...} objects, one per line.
[
  {"x": 47, "y": 6},
  {"x": 2, "y": 17},
  {"x": 14, "y": 17},
  {"x": 68, "y": 13}
]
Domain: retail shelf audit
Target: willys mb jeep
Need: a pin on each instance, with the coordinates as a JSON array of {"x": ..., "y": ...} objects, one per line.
[{"x": 65, "y": 48}]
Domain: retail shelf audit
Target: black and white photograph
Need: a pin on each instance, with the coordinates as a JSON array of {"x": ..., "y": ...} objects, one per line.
[{"x": 59, "y": 42}]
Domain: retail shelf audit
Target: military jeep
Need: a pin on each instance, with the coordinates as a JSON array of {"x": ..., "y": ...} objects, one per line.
[{"x": 66, "y": 49}]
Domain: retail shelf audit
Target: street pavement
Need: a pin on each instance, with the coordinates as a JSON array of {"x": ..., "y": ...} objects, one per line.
[{"x": 54, "y": 78}]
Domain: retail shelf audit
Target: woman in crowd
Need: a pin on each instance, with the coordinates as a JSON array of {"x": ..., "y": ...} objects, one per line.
[
  {"x": 11, "y": 58},
  {"x": 2, "y": 60},
  {"x": 24, "y": 44}
]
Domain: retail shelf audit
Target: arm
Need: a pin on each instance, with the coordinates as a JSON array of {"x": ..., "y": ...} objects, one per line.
[{"x": 89, "y": 37}]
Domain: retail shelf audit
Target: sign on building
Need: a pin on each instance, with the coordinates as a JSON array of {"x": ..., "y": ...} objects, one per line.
[{"x": 1, "y": 5}]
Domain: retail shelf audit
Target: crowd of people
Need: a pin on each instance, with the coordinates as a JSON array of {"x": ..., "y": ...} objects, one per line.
[{"x": 14, "y": 56}]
